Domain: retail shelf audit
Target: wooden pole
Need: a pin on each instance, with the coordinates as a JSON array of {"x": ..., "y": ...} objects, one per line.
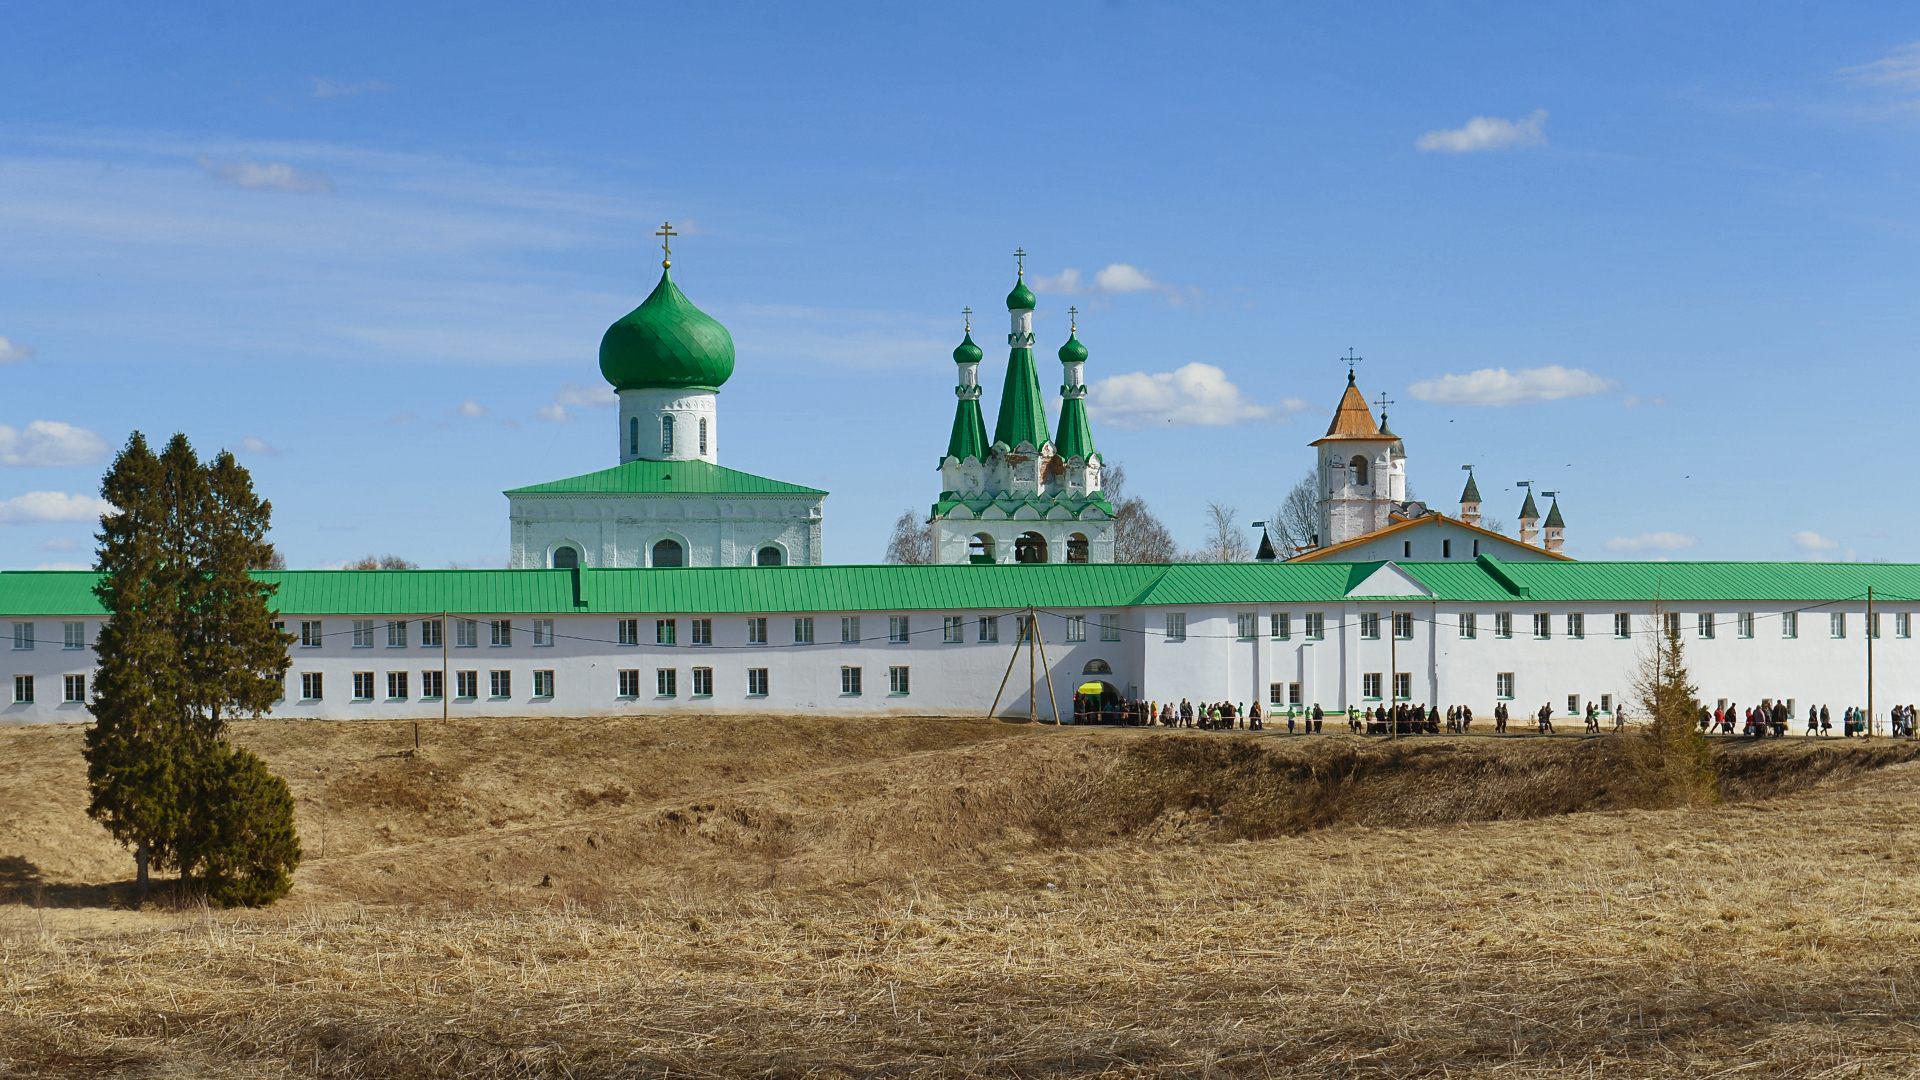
[
  {"x": 1393, "y": 674},
  {"x": 1046, "y": 666},
  {"x": 1011, "y": 657},
  {"x": 1869, "y": 731},
  {"x": 1033, "y": 687}
]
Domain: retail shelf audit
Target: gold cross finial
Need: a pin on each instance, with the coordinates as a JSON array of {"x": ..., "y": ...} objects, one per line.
[
  {"x": 1073, "y": 321},
  {"x": 1020, "y": 261},
  {"x": 966, "y": 318},
  {"x": 666, "y": 234}
]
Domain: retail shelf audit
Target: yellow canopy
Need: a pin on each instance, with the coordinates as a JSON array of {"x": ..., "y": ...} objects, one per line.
[{"x": 1092, "y": 688}]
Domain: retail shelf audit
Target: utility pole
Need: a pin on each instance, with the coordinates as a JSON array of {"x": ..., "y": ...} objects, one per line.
[
  {"x": 1032, "y": 686},
  {"x": 1393, "y": 673},
  {"x": 1870, "y": 636},
  {"x": 1046, "y": 668}
]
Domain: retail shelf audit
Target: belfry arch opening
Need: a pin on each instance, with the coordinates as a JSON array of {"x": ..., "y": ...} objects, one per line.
[
  {"x": 1077, "y": 548},
  {"x": 1030, "y": 547},
  {"x": 667, "y": 553},
  {"x": 980, "y": 548},
  {"x": 1359, "y": 467}
]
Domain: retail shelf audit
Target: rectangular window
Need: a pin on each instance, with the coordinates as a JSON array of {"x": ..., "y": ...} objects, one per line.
[
  {"x": 989, "y": 629},
  {"x": 1316, "y": 626},
  {"x": 1542, "y": 625},
  {"x": 500, "y": 632},
  {"x": 363, "y": 633},
  {"x": 543, "y": 633},
  {"x": 75, "y": 687},
  {"x": 23, "y": 689},
  {"x": 396, "y": 686},
  {"x": 1576, "y": 625},
  {"x": 1369, "y": 625},
  {"x": 1276, "y": 693},
  {"x": 500, "y": 683},
  {"x": 627, "y": 631},
  {"x": 666, "y": 682},
  {"x": 1402, "y": 685},
  {"x": 310, "y": 635},
  {"x": 1406, "y": 549},
  {"x": 702, "y": 631},
  {"x": 666, "y": 632},
  {"x": 76, "y": 635},
  {"x": 1076, "y": 628},
  {"x": 1109, "y": 626},
  {"x": 703, "y": 682},
  {"x": 898, "y": 683},
  {"x": 1837, "y": 624},
  {"x": 953, "y": 629},
  {"x": 1902, "y": 624},
  {"x": 466, "y": 633},
  {"x": 466, "y": 684},
  {"x": 543, "y": 683},
  {"x": 1403, "y": 625},
  {"x": 1622, "y": 624},
  {"x": 310, "y": 686},
  {"x": 1370, "y": 686},
  {"x": 803, "y": 630},
  {"x": 396, "y": 634},
  {"x": 629, "y": 682},
  {"x": 1279, "y": 626},
  {"x": 1573, "y": 704},
  {"x": 23, "y": 636},
  {"x": 433, "y": 685},
  {"x": 1020, "y": 630},
  {"x": 1873, "y": 626},
  {"x": 1446, "y": 549},
  {"x": 1176, "y": 626},
  {"x": 1503, "y": 686},
  {"x": 1606, "y": 704},
  {"x": 849, "y": 629},
  {"x": 363, "y": 686},
  {"x": 757, "y": 682},
  {"x": 1249, "y": 627},
  {"x": 432, "y": 633},
  {"x": 1503, "y": 624},
  {"x": 1469, "y": 625},
  {"x": 1293, "y": 694},
  {"x": 1744, "y": 621},
  {"x": 1672, "y": 621},
  {"x": 1703, "y": 623},
  {"x": 757, "y": 630},
  {"x": 849, "y": 682}
]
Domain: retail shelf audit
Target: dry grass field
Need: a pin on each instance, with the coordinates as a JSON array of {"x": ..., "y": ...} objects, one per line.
[{"x": 822, "y": 897}]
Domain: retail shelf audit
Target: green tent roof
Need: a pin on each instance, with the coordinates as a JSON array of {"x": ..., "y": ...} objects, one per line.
[
  {"x": 1470, "y": 493},
  {"x": 1023, "y": 415},
  {"x": 1528, "y": 509},
  {"x": 1554, "y": 520},
  {"x": 1076, "y": 435},
  {"x": 1071, "y": 586},
  {"x": 666, "y": 478},
  {"x": 969, "y": 437}
]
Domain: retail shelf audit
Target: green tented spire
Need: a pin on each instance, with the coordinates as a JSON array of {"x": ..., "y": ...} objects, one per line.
[
  {"x": 1554, "y": 520},
  {"x": 1023, "y": 414},
  {"x": 1471, "y": 493},
  {"x": 1527, "y": 509},
  {"x": 969, "y": 438},
  {"x": 1076, "y": 437}
]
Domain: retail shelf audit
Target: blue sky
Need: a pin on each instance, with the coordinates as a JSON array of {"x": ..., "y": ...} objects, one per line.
[{"x": 1664, "y": 258}]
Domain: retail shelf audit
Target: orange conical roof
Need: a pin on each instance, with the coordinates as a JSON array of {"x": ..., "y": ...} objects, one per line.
[{"x": 1353, "y": 419}]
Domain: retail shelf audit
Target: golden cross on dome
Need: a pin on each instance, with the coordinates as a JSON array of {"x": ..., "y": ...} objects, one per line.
[
  {"x": 1073, "y": 321},
  {"x": 666, "y": 234},
  {"x": 1020, "y": 261},
  {"x": 966, "y": 318}
]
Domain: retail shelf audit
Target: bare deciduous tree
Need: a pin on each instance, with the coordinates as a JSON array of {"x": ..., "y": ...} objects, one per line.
[
  {"x": 1297, "y": 518},
  {"x": 381, "y": 562},
  {"x": 1225, "y": 541},
  {"x": 1138, "y": 536},
  {"x": 912, "y": 541}
]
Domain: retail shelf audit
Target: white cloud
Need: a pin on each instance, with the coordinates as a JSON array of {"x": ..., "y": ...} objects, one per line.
[
  {"x": 1810, "y": 541},
  {"x": 1123, "y": 278},
  {"x": 12, "y": 351},
  {"x": 1652, "y": 541},
  {"x": 43, "y": 507},
  {"x": 471, "y": 409},
  {"x": 1487, "y": 133},
  {"x": 254, "y": 444},
  {"x": 1066, "y": 282},
  {"x": 59, "y": 543},
  {"x": 50, "y": 443},
  {"x": 266, "y": 175},
  {"x": 555, "y": 413},
  {"x": 1196, "y": 395},
  {"x": 1498, "y": 386},
  {"x": 1635, "y": 401},
  {"x": 1113, "y": 279},
  {"x": 576, "y": 396},
  {"x": 1899, "y": 69},
  {"x": 63, "y": 566},
  {"x": 334, "y": 88}
]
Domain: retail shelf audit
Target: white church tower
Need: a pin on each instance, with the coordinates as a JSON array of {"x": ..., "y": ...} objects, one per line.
[{"x": 1362, "y": 471}]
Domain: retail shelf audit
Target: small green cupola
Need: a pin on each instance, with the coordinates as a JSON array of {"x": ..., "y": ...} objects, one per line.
[
  {"x": 1021, "y": 298},
  {"x": 967, "y": 352},
  {"x": 666, "y": 343},
  {"x": 1073, "y": 352}
]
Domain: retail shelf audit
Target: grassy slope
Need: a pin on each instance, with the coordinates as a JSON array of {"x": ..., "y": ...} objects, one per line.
[{"x": 824, "y": 896}]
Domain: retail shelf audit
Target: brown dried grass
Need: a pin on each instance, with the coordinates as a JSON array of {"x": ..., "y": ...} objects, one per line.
[{"x": 829, "y": 897}]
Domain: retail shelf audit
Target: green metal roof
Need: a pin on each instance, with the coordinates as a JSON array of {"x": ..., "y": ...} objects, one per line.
[
  {"x": 969, "y": 437},
  {"x": 666, "y": 342},
  {"x": 666, "y": 478},
  {"x": 1554, "y": 520},
  {"x": 1008, "y": 504},
  {"x": 984, "y": 588},
  {"x": 1076, "y": 435},
  {"x": 1023, "y": 415},
  {"x": 1470, "y": 493},
  {"x": 1528, "y": 509}
]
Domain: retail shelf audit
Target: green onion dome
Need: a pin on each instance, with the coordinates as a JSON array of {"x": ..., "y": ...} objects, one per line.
[
  {"x": 666, "y": 343},
  {"x": 967, "y": 352},
  {"x": 1021, "y": 298},
  {"x": 1073, "y": 352}
]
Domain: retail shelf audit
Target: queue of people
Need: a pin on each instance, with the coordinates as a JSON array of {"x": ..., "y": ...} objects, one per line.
[{"x": 1772, "y": 718}]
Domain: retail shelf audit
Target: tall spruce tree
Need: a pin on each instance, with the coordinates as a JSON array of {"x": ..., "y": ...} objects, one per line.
[
  {"x": 1670, "y": 753},
  {"x": 137, "y": 764},
  {"x": 189, "y": 643}
]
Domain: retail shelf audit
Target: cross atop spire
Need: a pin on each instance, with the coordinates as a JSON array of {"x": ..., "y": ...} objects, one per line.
[
  {"x": 1352, "y": 361},
  {"x": 1073, "y": 321},
  {"x": 1383, "y": 401},
  {"x": 666, "y": 234},
  {"x": 1020, "y": 262},
  {"x": 966, "y": 319}
]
